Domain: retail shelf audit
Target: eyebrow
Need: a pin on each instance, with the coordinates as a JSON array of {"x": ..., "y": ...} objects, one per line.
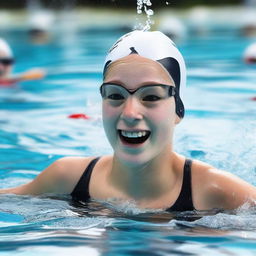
[{"x": 141, "y": 86}]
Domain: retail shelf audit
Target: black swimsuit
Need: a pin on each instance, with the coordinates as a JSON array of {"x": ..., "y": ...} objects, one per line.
[{"x": 183, "y": 203}]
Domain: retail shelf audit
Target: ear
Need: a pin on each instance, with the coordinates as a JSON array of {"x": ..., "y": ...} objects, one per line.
[{"x": 177, "y": 119}]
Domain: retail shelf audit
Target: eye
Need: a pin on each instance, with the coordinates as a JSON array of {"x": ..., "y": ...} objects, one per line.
[
  {"x": 151, "y": 98},
  {"x": 116, "y": 96}
]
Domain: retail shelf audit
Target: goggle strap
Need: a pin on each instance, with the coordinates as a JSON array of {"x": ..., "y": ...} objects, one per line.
[{"x": 172, "y": 91}]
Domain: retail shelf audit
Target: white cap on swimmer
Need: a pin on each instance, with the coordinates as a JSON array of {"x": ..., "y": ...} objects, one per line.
[
  {"x": 158, "y": 47},
  {"x": 250, "y": 53},
  {"x": 5, "y": 48}
]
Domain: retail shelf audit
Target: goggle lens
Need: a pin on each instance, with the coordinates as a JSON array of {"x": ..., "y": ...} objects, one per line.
[
  {"x": 6, "y": 61},
  {"x": 147, "y": 93}
]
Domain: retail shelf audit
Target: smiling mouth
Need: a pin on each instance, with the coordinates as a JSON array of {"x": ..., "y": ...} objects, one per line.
[{"x": 133, "y": 137}]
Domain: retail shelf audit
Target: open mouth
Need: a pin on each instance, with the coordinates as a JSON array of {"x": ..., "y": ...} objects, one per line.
[{"x": 134, "y": 137}]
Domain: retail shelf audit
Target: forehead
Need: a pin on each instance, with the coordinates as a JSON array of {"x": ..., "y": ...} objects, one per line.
[
  {"x": 135, "y": 67},
  {"x": 3, "y": 54}
]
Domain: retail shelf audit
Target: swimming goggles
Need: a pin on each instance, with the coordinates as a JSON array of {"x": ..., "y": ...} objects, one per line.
[
  {"x": 147, "y": 93},
  {"x": 6, "y": 61}
]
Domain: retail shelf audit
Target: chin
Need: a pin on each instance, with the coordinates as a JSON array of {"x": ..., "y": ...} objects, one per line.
[{"x": 133, "y": 160}]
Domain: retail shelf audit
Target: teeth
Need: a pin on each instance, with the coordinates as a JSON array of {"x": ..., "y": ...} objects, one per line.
[{"x": 133, "y": 134}]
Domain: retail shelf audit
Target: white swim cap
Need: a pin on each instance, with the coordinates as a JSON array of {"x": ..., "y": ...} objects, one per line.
[
  {"x": 158, "y": 47},
  {"x": 5, "y": 48},
  {"x": 250, "y": 53}
]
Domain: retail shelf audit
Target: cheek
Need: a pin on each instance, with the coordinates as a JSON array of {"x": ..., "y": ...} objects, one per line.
[
  {"x": 8, "y": 69},
  {"x": 109, "y": 118},
  {"x": 165, "y": 113},
  {"x": 108, "y": 112},
  {"x": 159, "y": 116},
  {"x": 164, "y": 120}
]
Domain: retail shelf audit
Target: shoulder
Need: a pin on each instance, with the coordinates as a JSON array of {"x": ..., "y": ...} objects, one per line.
[
  {"x": 70, "y": 163},
  {"x": 67, "y": 171},
  {"x": 215, "y": 188},
  {"x": 200, "y": 171},
  {"x": 59, "y": 178}
]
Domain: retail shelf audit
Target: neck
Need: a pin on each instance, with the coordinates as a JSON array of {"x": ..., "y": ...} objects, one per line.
[{"x": 148, "y": 180}]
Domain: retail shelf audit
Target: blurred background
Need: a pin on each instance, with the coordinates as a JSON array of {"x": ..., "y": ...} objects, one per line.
[
  {"x": 69, "y": 40},
  {"x": 121, "y": 3},
  {"x": 192, "y": 15},
  {"x": 174, "y": 17}
]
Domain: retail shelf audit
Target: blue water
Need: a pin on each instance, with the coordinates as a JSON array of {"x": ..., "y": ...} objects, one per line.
[{"x": 35, "y": 130}]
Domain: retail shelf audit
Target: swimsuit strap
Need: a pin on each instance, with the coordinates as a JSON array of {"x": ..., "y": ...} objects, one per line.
[
  {"x": 81, "y": 190},
  {"x": 184, "y": 201}
]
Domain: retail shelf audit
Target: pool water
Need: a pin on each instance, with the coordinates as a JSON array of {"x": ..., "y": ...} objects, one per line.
[{"x": 219, "y": 128}]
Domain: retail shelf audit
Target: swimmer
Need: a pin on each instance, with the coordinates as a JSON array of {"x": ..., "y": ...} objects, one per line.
[
  {"x": 142, "y": 102},
  {"x": 6, "y": 66},
  {"x": 6, "y": 60}
]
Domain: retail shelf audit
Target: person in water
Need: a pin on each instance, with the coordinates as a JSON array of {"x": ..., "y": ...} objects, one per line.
[
  {"x": 143, "y": 81},
  {"x": 6, "y": 66},
  {"x": 6, "y": 60}
]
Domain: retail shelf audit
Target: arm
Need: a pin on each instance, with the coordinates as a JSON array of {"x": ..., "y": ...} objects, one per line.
[
  {"x": 33, "y": 74},
  {"x": 59, "y": 178},
  {"x": 227, "y": 191}
]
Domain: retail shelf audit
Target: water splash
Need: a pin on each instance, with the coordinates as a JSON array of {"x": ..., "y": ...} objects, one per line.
[{"x": 143, "y": 5}]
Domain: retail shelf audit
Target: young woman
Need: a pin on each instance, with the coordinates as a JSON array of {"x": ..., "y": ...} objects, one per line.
[{"x": 144, "y": 76}]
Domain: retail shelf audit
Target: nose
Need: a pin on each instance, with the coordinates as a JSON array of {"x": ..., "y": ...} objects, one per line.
[{"x": 131, "y": 110}]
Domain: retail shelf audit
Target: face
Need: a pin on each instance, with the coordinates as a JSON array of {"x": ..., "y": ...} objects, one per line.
[
  {"x": 138, "y": 109},
  {"x": 5, "y": 64}
]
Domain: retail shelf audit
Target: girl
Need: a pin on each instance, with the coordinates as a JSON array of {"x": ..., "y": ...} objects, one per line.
[{"x": 144, "y": 77}]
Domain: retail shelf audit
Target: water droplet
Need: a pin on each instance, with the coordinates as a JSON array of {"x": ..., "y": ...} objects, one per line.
[
  {"x": 149, "y": 12},
  {"x": 143, "y": 5}
]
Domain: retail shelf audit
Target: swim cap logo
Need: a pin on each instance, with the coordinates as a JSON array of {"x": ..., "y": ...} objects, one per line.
[
  {"x": 114, "y": 46},
  {"x": 118, "y": 41},
  {"x": 133, "y": 51}
]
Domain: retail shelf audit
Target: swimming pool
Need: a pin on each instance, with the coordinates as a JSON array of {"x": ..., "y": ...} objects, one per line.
[{"x": 35, "y": 130}]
